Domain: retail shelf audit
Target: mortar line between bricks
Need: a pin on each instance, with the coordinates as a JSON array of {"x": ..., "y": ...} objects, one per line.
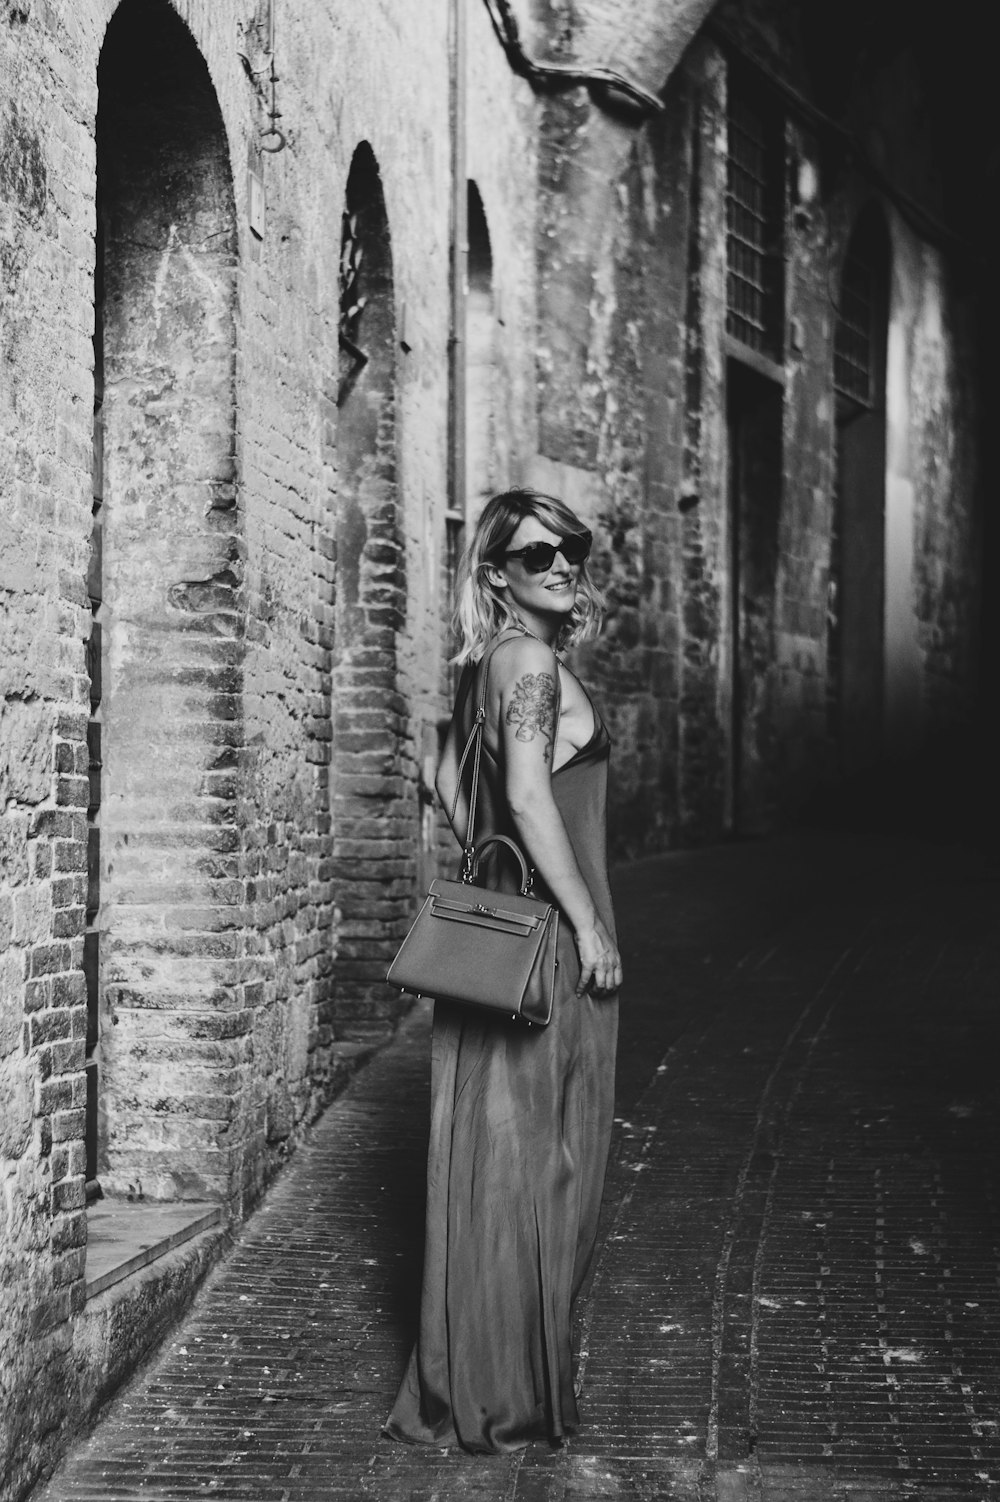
[{"x": 729, "y": 1239}]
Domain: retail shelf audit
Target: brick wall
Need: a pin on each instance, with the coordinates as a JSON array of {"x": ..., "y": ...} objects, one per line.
[
  {"x": 228, "y": 867},
  {"x": 46, "y": 401}
]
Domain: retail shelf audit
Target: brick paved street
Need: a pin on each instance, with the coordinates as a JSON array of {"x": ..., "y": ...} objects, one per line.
[{"x": 798, "y": 1288}]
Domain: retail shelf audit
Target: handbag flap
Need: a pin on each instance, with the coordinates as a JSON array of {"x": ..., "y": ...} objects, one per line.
[
  {"x": 484, "y": 913},
  {"x": 510, "y": 905}
]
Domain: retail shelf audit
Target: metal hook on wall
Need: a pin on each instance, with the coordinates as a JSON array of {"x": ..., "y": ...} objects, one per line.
[{"x": 273, "y": 139}]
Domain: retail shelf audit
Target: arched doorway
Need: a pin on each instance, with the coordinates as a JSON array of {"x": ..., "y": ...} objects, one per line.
[
  {"x": 373, "y": 794},
  {"x": 856, "y": 588},
  {"x": 166, "y": 645}
]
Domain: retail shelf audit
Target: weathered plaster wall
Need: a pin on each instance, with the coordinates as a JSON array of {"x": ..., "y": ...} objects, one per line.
[
  {"x": 719, "y": 678},
  {"x": 502, "y": 160},
  {"x": 700, "y": 786},
  {"x": 932, "y": 593},
  {"x": 584, "y": 152}
]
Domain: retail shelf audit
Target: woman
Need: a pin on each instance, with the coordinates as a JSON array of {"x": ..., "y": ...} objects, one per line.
[{"x": 520, "y": 1117}]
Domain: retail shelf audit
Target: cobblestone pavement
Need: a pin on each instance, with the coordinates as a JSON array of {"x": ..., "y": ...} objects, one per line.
[{"x": 797, "y": 1294}]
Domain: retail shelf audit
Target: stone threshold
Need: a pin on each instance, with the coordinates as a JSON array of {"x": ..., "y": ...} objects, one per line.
[{"x": 126, "y": 1235}]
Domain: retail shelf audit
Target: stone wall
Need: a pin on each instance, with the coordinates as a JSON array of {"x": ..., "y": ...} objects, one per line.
[
  {"x": 717, "y": 669},
  {"x": 242, "y": 834}
]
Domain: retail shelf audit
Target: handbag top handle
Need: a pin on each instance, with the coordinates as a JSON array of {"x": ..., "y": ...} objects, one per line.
[{"x": 475, "y": 745}]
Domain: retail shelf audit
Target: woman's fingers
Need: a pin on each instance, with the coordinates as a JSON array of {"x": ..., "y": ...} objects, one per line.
[
  {"x": 608, "y": 976},
  {"x": 600, "y": 962},
  {"x": 605, "y": 975}
]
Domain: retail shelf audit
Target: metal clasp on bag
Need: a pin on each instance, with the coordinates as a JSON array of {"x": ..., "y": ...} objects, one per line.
[
  {"x": 480, "y": 907},
  {"x": 467, "y": 858}
]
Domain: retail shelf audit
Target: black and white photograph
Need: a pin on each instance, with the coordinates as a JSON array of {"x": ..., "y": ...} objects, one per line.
[{"x": 499, "y": 751}]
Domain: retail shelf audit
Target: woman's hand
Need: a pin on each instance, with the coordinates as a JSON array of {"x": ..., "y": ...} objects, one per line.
[
  {"x": 600, "y": 962},
  {"x": 526, "y": 680}
]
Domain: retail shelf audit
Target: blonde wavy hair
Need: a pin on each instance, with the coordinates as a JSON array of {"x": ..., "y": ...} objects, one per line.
[{"x": 480, "y": 610}]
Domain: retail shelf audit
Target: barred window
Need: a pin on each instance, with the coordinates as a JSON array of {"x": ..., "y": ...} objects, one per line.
[
  {"x": 754, "y": 224},
  {"x": 852, "y": 350}
]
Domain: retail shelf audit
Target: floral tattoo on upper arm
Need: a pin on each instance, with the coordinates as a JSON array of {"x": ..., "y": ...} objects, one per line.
[{"x": 532, "y": 709}]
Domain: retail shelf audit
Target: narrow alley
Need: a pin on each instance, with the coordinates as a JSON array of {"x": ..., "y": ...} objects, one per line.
[
  {"x": 797, "y": 1289},
  {"x": 291, "y": 293}
]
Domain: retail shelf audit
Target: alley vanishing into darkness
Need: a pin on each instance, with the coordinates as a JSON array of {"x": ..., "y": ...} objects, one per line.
[{"x": 797, "y": 1293}]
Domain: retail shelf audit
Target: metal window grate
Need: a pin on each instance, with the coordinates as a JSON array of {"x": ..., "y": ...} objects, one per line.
[
  {"x": 852, "y": 350},
  {"x": 753, "y": 228}
]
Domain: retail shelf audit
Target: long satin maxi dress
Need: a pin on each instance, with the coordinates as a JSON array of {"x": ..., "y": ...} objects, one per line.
[{"x": 521, "y": 1124}]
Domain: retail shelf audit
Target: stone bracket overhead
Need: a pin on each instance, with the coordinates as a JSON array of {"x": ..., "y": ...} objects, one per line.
[{"x": 564, "y": 75}]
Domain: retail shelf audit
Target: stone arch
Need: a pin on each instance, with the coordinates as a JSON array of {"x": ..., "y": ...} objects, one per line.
[
  {"x": 374, "y": 813},
  {"x": 480, "y": 361},
  {"x": 856, "y": 617},
  {"x": 167, "y": 645}
]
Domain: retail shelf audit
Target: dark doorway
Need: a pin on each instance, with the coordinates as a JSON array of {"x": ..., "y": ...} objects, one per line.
[
  {"x": 754, "y": 409},
  {"x": 856, "y": 593}
]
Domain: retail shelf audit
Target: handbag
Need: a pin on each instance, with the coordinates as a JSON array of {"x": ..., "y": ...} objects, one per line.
[{"x": 473, "y": 945}]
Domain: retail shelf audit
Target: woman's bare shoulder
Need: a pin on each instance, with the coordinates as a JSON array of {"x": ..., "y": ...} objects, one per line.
[{"x": 519, "y": 655}]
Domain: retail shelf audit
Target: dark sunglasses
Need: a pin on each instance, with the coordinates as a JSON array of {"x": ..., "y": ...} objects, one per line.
[{"x": 538, "y": 557}]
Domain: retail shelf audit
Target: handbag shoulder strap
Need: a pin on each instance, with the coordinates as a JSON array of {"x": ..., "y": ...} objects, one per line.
[{"x": 474, "y": 746}]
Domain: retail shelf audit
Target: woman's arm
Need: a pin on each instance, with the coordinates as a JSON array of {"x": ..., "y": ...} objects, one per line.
[
  {"x": 526, "y": 678},
  {"x": 446, "y": 784}
]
